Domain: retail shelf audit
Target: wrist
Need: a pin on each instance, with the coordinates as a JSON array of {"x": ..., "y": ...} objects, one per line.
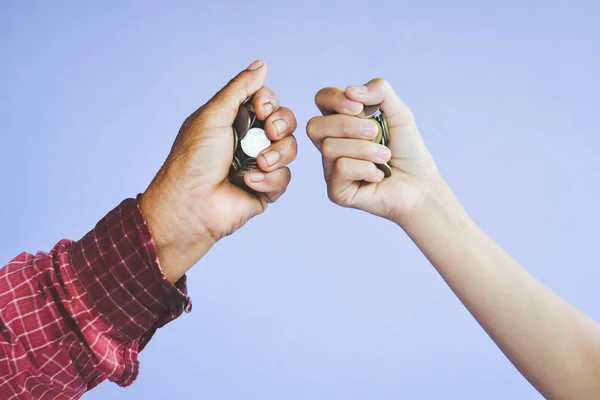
[
  {"x": 438, "y": 206},
  {"x": 179, "y": 245}
]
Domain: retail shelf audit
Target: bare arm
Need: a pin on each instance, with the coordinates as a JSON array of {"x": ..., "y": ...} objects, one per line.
[{"x": 553, "y": 344}]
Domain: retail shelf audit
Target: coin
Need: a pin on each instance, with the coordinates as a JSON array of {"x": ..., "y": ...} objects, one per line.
[
  {"x": 375, "y": 113},
  {"x": 247, "y": 161},
  {"x": 379, "y": 133},
  {"x": 254, "y": 142},
  {"x": 243, "y": 122},
  {"x": 386, "y": 133},
  {"x": 238, "y": 180},
  {"x": 236, "y": 140},
  {"x": 237, "y": 162},
  {"x": 369, "y": 111},
  {"x": 387, "y": 170},
  {"x": 248, "y": 104}
]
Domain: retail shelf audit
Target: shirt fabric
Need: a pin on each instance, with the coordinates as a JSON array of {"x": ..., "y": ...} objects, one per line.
[{"x": 80, "y": 314}]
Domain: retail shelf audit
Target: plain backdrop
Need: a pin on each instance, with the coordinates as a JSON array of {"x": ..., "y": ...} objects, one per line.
[{"x": 312, "y": 301}]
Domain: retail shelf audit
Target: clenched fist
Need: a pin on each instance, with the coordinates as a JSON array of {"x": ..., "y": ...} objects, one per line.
[
  {"x": 191, "y": 203},
  {"x": 350, "y": 155}
]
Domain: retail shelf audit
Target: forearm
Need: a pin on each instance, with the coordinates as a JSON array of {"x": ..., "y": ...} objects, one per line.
[
  {"x": 88, "y": 306},
  {"x": 554, "y": 345}
]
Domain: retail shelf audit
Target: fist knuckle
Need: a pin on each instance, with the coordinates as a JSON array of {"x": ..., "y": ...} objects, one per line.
[
  {"x": 327, "y": 148},
  {"x": 382, "y": 83},
  {"x": 318, "y": 96},
  {"x": 346, "y": 126},
  {"x": 293, "y": 148},
  {"x": 285, "y": 176},
  {"x": 290, "y": 117},
  {"x": 288, "y": 176},
  {"x": 334, "y": 195},
  {"x": 342, "y": 165},
  {"x": 311, "y": 128}
]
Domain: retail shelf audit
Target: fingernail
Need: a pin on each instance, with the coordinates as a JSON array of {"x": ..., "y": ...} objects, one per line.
[
  {"x": 380, "y": 174},
  {"x": 257, "y": 176},
  {"x": 255, "y": 65},
  {"x": 384, "y": 154},
  {"x": 271, "y": 157},
  {"x": 351, "y": 106},
  {"x": 268, "y": 107},
  {"x": 359, "y": 89},
  {"x": 281, "y": 125},
  {"x": 368, "y": 131}
]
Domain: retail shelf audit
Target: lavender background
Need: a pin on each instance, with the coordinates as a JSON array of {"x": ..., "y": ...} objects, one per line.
[{"x": 312, "y": 301}]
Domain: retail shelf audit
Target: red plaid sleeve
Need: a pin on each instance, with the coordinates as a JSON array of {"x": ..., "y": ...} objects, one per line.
[{"x": 80, "y": 314}]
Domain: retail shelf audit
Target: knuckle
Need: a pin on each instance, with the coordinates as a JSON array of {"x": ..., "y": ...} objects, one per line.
[
  {"x": 327, "y": 148},
  {"x": 311, "y": 128},
  {"x": 293, "y": 148},
  {"x": 318, "y": 95},
  {"x": 285, "y": 176},
  {"x": 346, "y": 126},
  {"x": 280, "y": 179},
  {"x": 334, "y": 195},
  {"x": 342, "y": 165},
  {"x": 337, "y": 197},
  {"x": 288, "y": 176},
  {"x": 238, "y": 84},
  {"x": 290, "y": 117},
  {"x": 266, "y": 91},
  {"x": 382, "y": 83},
  {"x": 275, "y": 102}
]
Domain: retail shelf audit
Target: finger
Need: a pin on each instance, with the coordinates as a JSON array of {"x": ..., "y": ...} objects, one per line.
[
  {"x": 340, "y": 126},
  {"x": 280, "y": 124},
  {"x": 346, "y": 170},
  {"x": 279, "y": 154},
  {"x": 265, "y": 102},
  {"x": 379, "y": 91},
  {"x": 224, "y": 105},
  {"x": 272, "y": 184},
  {"x": 334, "y": 101},
  {"x": 334, "y": 149}
]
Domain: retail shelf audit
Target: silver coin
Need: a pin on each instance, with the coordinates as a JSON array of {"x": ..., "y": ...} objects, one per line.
[
  {"x": 254, "y": 142},
  {"x": 369, "y": 111}
]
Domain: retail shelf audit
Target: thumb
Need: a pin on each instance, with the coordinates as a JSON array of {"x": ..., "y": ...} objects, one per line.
[
  {"x": 379, "y": 91},
  {"x": 225, "y": 104}
]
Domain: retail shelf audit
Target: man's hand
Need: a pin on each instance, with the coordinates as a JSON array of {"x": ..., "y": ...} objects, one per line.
[
  {"x": 349, "y": 155},
  {"x": 191, "y": 203}
]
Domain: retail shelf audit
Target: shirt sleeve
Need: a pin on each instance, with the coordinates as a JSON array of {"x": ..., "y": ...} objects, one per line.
[{"x": 81, "y": 313}]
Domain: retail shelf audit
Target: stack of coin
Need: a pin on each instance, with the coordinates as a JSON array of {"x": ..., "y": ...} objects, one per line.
[
  {"x": 249, "y": 139},
  {"x": 375, "y": 113}
]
